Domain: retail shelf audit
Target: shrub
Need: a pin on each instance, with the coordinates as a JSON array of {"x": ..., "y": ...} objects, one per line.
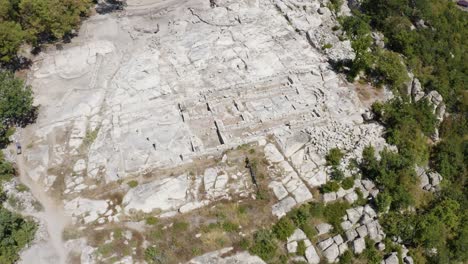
[
  {"x": 317, "y": 209},
  {"x": 383, "y": 201},
  {"x": 347, "y": 183},
  {"x": 309, "y": 230},
  {"x": 151, "y": 220},
  {"x": 327, "y": 46},
  {"x": 229, "y": 226},
  {"x": 337, "y": 174},
  {"x": 346, "y": 258},
  {"x": 334, "y": 157},
  {"x": 301, "y": 248},
  {"x": 264, "y": 245},
  {"x": 244, "y": 244},
  {"x": 301, "y": 215},
  {"x": 334, "y": 212},
  {"x": 284, "y": 228},
  {"x": 152, "y": 255},
  {"x": 331, "y": 186},
  {"x": 132, "y": 184},
  {"x": 180, "y": 226}
]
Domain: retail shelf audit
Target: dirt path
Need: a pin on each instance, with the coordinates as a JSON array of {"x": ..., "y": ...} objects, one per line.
[{"x": 52, "y": 250}]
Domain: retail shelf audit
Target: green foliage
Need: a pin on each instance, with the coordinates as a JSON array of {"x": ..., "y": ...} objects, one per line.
[
  {"x": 330, "y": 186},
  {"x": 383, "y": 201},
  {"x": 436, "y": 52},
  {"x": 390, "y": 68},
  {"x": 16, "y": 100},
  {"x": 327, "y": 46},
  {"x": 264, "y": 244},
  {"x": 229, "y": 227},
  {"x": 11, "y": 37},
  {"x": 37, "y": 21},
  {"x": 333, "y": 214},
  {"x": 334, "y": 157},
  {"x": 372, "y": 255},
  {"x": 132, "y": 183},
  {"x": 15, "y": 233},
  {"x": 393, "y": 175},
  {"x": 152, "y": 255},
  {"x": 337, "y": 174},
  {"x": 284, "y": 228},
  {"x": 301, "y": 248},
  {"x": 301, "y": 215},
  {"x": 347, "y": 183},
  {"x": 151, "y": 220},
  {"x": 346, "y": 258}
]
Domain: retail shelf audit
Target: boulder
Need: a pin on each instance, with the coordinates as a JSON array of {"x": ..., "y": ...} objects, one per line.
[
  {"x": 331, "y": 253},
  {"x": 298, "y": 235},
  {"x": 392, "y": 259},
  {"x": 292, "y": 247},
  {"x": 311, "y": 255},
  {"x": 338, "y": 239},
  {"x": 434, "y": 178},
  {"x": 362, "y": 231},
  {"x": 408, "y": 260},
  {"x": 353, "y": 215},
  {"x": 324, "y": 244},
  {"x": 351, "y": 197},
  {"x": 329, "y": 197},
  {"x": 351, "y": 234},
  {"x": 416, "y": 90},
  {"x": 359, "y": 245},
  {"x": 346, "y": 225},
  {"x": 343, "y": 248},
  {"x": 323, "y": 228}
]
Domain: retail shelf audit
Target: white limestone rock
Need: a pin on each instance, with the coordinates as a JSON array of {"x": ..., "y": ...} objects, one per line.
[
  {"x": 324, "y": 244},
  {"x": 298, "y": 235},
  {"x": 323, "y": 228},
  {"x": 311, "y": 255},
  {"x": 351, "y": 234},
  {"x": 281, "y": 208},
  {"x": 392, "y": 259},
  {"x": 331, "y": 253},
  {"x": 272, "y": 153},
  {"x": 165, "y": 194},
  {"x": 359, "y": 245}
]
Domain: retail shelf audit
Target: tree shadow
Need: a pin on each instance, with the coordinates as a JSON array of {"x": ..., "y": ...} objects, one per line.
[{"x": 109, "y": 6}]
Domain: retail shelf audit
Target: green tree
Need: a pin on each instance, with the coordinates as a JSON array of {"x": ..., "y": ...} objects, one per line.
[
  {"x": 16, "y": 101},
  {"x": 11, "y": 38},
  {"x": 51, "y": 18}
]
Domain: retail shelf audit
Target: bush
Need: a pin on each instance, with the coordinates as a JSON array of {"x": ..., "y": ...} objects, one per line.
[
  {"x": 334, "y": 212},
  {"x": 372, "y": 255},
  {"x": 229, "y": 227},
  {"x": 317, "y": 209},
  {"x": 334, "y": 157},
  {"x": 132, "y": 184},
  {"x": 264, "y": 245},
  {"x": 330, "y": 186},
  {"x": 15, "y": 233},
  {"x": 337, "y": 174},
  {"x": 301, "y": 248},
  {"x": 327, "y": 46},
  {"x": 383, "y": 201},
  {"x": 347, "y": 183},
  {"x": 301, "y": 215},
  {"x": 284, "y": 228},
  {"x": 309, "y": 230},
  {"x": 151, "y": 220},
  {"x": 346, "y": 258}
]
